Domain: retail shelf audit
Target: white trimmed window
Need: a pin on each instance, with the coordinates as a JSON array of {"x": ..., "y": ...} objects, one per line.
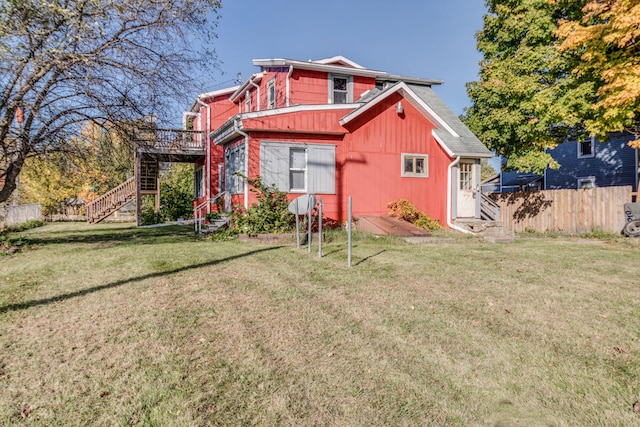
[
  {"x": 298, "y": 169},
  {"x": 340, "y": 89},
  {"x": 415, "y": 165},
  {"x": 198, "y": 181},
  {"x": 247, "y": 102},
  {"x": 586, "y": 183},
  {"x": 587, "y": 147},
  {"x": 271, "y": 94}
]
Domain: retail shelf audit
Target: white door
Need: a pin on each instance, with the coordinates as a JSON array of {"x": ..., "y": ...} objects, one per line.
[{"x": 466, "y": 186}]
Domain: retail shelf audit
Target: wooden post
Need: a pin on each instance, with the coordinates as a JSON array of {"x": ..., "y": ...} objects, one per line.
[{"x": 136, "y": 173}]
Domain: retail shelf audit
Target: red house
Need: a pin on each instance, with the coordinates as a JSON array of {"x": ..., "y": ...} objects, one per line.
[{"x": 335, "y": 129}]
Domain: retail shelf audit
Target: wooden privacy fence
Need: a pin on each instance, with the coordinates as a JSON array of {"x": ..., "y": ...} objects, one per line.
[
  {"x": 565, "y": 211},
  {"x": 15, "y": 215}
]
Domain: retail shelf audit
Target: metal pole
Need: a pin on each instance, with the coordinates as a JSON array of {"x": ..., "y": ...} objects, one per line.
[
  {"x": 349, "y": 232},
  {"x": 320, "y": 228},
  {"x": 297, "y": 225},
  {"x": 310, "y": 220}
]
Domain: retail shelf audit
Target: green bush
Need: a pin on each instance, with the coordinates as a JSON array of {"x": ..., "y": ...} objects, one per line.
[
  {"x": 149, "y": 216},
  {"x": 269, "y": 215},
  {"x": 407, "y": 211}
]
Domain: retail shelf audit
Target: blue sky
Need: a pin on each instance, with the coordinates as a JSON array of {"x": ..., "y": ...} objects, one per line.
[{"x": 419, "y": 38}]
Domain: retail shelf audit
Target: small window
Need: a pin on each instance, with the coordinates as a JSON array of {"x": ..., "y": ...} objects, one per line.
[
  {"x": 247, "y": 102},
  {"x": 586, "y": 148},
  {"x": 415, "y": 165},
  {"x": 271, "y": 94},
  {"x": 198, "y": 181},
  {"x": 587, "y": 183},
  {"x": 340, "y": 89},
  {"x": 298, "y": 169}
]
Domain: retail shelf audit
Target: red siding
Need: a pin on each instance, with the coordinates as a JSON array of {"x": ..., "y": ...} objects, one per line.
[
  {"x": 325, "y": 121},
  {"x": 372, "y": 165},
  {"x": 312, "y": 87}
]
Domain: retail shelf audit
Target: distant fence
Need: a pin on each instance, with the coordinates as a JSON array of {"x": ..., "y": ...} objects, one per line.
[
  {"x": 15, "y": 215},
  {"x": 565, "y": 211}
]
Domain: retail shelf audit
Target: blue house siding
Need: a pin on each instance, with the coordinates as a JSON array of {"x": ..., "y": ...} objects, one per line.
[{"x": 612, "y": 163}]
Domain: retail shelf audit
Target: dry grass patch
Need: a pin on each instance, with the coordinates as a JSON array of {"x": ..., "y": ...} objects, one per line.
[{"x": 111, "y": 325}]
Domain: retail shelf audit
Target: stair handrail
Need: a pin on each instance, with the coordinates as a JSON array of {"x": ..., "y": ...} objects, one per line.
[
  {"x": 489, "y": 207},
  {"x": 110, "y": 199}
]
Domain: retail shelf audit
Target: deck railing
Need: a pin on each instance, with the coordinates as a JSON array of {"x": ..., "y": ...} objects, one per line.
[
  {"x": 489, "y": 210},
  {"x": 171, "y": 139},
  {"x": 111, "y": 201}
]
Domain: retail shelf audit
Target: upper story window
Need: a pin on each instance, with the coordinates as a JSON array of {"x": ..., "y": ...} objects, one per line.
[
  {"x": 271, "y": 94},
  {"x": 587, "y": 147},
  {"x": 340, "y": 89},
  {"x": 247, "y": 102}
]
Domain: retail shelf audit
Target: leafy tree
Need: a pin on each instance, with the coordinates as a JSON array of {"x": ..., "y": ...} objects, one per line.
[
  {"x": 486, "y": 170},
  {"x": 525, "y": 100},
  {"x": 67, "y": 62},
  {"x": 607, "y": 40},
  {"x": 176, "y": 191}
]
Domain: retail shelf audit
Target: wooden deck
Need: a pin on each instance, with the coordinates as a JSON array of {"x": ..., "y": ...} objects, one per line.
[{"x": 389, "y": 226}]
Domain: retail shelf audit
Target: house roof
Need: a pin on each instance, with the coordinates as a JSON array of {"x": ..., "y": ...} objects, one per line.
[
  {"x": 212, "y": 94},
  {"x": 449, "y": 130},
  {"x": 349, "y": 67}
]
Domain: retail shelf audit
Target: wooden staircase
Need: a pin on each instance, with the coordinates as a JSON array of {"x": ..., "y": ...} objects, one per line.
[{"x": 111, "y": 201}]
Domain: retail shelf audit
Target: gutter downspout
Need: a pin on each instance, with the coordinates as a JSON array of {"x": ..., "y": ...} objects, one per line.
[
  {"x": 246, "y": 162},
  {"x": 258, "y": 90},
  {"x": 449, "y": 198},
  {"x": 207, "y": 190},
  {"x": 288, "y": 84}
]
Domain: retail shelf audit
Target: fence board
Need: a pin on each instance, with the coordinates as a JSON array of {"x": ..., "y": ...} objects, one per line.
[{"x": 565, "y": 211}]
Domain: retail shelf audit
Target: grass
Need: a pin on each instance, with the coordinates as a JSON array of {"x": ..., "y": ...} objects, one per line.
[{"x": 113, "y": 325}]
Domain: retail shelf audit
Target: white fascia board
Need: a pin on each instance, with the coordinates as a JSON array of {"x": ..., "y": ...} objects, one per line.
[
  {"x": 442, "y": 144},
  {"x": 410, "y": 96},
  {"x": 314, "y": 66},
  {"x": 414, "y": 80},
  {"x": 295, "y": 109},
  {"x": 339, "y": 58},
  {"x": 212, "y": 94},
  {"x": 242, "y": 88}
]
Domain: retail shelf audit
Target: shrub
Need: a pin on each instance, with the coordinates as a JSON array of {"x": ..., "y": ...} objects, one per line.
[
  {"x": 407, "y": 211},
  {"x": 269, "y": 215}
]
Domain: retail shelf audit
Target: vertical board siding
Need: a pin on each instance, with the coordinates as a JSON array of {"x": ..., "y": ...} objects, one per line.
[{"x": 564, "y": 211}]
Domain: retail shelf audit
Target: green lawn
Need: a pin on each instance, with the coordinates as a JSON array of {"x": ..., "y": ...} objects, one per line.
[{"x": 113, "y": 325}]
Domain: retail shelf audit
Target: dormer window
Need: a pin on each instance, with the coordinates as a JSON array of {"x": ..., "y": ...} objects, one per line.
[{"x": 340, "y": 89}]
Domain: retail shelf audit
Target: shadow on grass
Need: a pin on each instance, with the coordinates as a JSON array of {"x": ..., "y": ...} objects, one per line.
[
  {"x": 369, "y": 257},
  {"x": 109, "y": 235},
  {"x": 64, "y": 297}
]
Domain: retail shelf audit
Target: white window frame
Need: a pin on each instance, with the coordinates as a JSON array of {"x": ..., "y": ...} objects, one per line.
[
  {"x": 292, "y": 169},
  {"x": 592, "y": 142},
  {"x": 589, "y": 180},
  {"x": 271, "y": 94},
  {"x": 247, "y": 102},
  {"x": 198, "y": 182},
  {"x": 413, "y": 173},
  {"x": 348, "y": 92}
]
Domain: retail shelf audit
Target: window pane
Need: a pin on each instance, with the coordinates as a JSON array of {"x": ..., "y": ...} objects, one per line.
[
  {"x": 297, "y": 180},
  {"x": 297, "y": 160},
  {"x": 586, "y": 148},
  {"x": 339, "y": 84},
  {"x": 339, "y": 97},
  {"x": 408, "y": 165},
  {"x": 419, "y": 165}
]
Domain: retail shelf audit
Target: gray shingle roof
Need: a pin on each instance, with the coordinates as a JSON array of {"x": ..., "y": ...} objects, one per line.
[{"x": 466, "y": 144}]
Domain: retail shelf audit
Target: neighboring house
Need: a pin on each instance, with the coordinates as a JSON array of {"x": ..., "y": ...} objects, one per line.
[
  {"x": 583, "y": 165},
  {"x": 335, "y": 129}
]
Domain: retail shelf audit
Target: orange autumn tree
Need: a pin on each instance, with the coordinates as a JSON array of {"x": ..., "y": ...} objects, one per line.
[{"x": 607, "y": 41}]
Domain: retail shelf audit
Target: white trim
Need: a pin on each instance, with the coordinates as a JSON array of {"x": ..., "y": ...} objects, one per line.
[
  {"x": 593, "y": 148},
  {"x": 442, "y": 144},
  {"x": 298, "y": 108},
  {"x": 591, "y": 179},
  {"x": 212, "y": 94},
  {"x": 339, "y": 58},
  {"x": 272, "y": 102},
  {"x": 241, "y": 89}
]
